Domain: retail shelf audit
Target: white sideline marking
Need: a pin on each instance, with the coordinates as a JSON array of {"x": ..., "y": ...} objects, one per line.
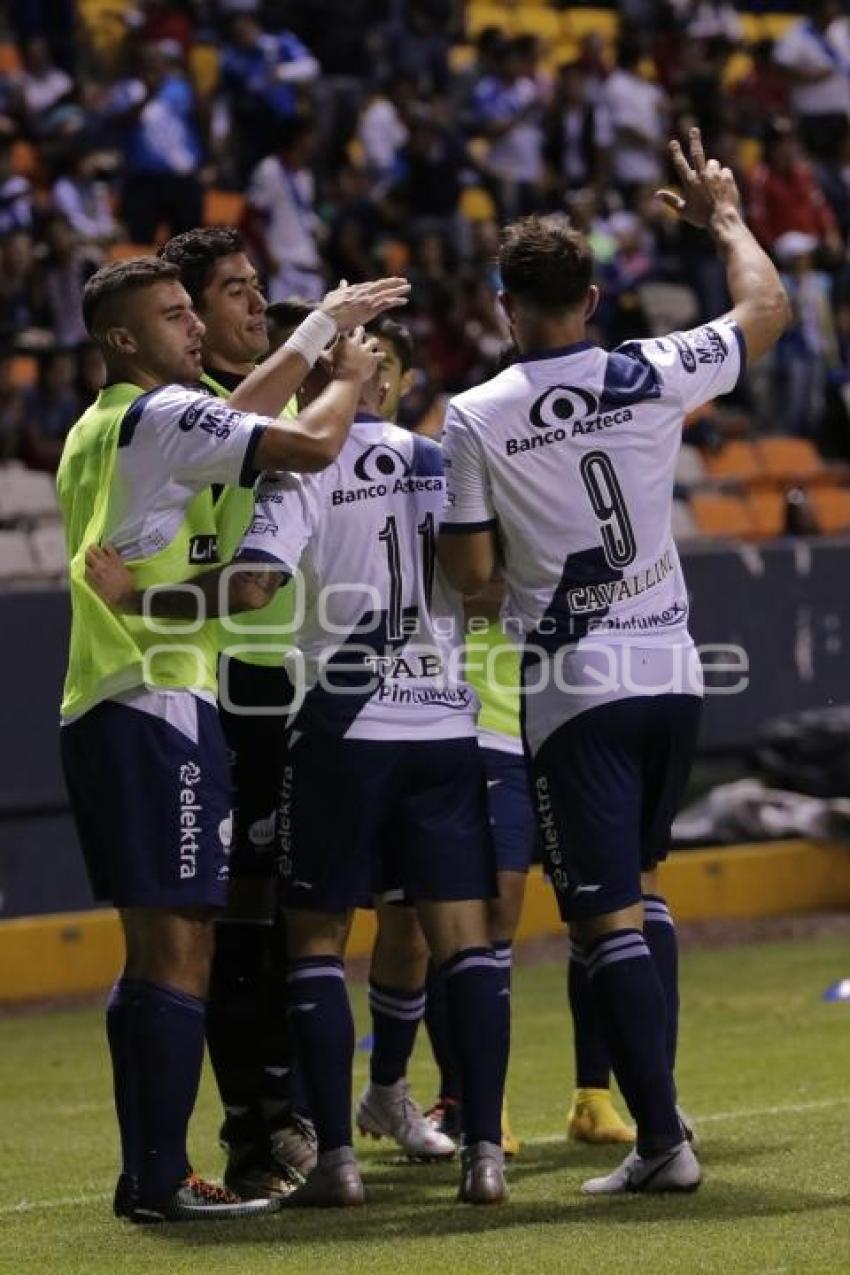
[{"x": 747, "y": 1113}]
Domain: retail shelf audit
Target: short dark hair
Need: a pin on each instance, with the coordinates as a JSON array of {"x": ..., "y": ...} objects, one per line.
[
  {"x": 545, "y": 263},
  {"x": 289, "y": 313},
  {"x": 195, "y": 253},
  {"x": 113, "y": 281},
  {"x": 399, "y": 337}
]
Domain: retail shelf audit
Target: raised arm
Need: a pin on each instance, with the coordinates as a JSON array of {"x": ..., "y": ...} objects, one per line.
[{"x": 709, "y": 199}]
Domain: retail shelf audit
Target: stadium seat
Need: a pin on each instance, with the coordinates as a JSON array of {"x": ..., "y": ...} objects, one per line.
[
  {"x": 535, "y": 19},
  {"x": 751, "y": 27},
  {"x": 25, "y": 159},
  {"x": 690, "y": 466},
  {"x": 768, "y": 513},
  {"x": 26, "y": 494},
  {"x": 736, "y": 69},
  {"x": 719, "y": 515},
  {"x": 481, "y": 16},
  {"x": 684, "y": 527},
  {"x": 223, "y": 208},
  {"x": 831, "y": 508},
  {"x": 577, "y": 23},
  {"x": 461, "y": 57},
  {"x": 124, "y": 251},
  {"x": 749, "y": 153},
  {"x": 793, "y": 460},
  {"x": 23, "y": 371},
  {"x": 203, "y": 68},
  {"x": 668, "y": 306},
  {"x": 564, "y": 52},
  {"x": 16, "y": 558},
  {"x": 736, "y": 459},
  {"x": 10, "y": 58},
  {"x": 476, "y": 204},
  {"x": 47, "y": 544},
  {"x": 774, "y": 25}
]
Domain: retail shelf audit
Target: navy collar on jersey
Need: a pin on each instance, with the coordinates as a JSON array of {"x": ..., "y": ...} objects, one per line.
[
  {"x": 556, "y": 352},
  {"x": 229, "y": 380}
]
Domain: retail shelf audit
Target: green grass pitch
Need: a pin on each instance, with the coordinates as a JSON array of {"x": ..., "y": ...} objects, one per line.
[{"x": 763, "y": 1069}]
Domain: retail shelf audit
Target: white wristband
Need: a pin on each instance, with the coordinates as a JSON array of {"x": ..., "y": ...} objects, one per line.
[{"x": 311, "y": 336}]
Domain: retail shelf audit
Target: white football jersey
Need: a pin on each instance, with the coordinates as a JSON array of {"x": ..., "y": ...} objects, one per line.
[
  {"x": 571, "y": 455},
  {"x": 379, "y": 632}
]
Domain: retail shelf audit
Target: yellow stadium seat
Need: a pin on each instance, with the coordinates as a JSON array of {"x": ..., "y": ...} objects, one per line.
[
  {"x": 736, "y": 69},
  {"x": 749, "y": 153},
  {"x": 534, "y": 19},
  {"x": 476, "y": 204},
  {"x": 461, "y": 57},
  {"x": 203, "y": 68},
  {"x": 223, "y": 207},
  {"x": 751, "y": 27},
  {"x": 717, "y": 515},
  {"x": 774, "y": 25},
  {"x": 564, "y": 52},
  {"x": 481, "y": 16},
  {"x": 577, "y": 23}
]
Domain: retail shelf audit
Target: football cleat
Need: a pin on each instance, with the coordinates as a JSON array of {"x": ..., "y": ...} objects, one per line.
[
  {"x": 674, "y": 1170},
  {"x": 253, "y": 1173},
  {"x": 293, "y": 1145},
  {"x": 447, "y": 1117},
  {"x": 689, "y": 1133},
  {"x": 126, "y": 1195},
  {"x": 511, "y": 1144},
  {"x": 197, "y": 1200},
  {"x": 594, "y": 1118},
  {"x": 482, "y": 1175},
  {"x": 335, "y": 1183},
  {"x": 388, "y": 1111}
]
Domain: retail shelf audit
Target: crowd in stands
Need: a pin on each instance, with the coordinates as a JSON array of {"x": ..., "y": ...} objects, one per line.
[{"x": 353, "y": 137}]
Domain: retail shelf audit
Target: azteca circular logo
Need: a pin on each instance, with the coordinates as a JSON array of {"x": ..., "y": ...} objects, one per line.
[
  {"x": 379, "y": 462},
  {"x": 560, "y": 404}
]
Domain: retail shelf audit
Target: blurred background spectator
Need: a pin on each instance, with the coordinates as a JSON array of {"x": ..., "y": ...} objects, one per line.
[{"x": 350, "y": 137}]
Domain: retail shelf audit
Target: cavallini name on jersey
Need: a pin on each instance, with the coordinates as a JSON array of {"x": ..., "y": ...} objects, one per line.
[
  {"x": 593, "y": 597},
  {"x": 373, "y": 491},
  {"x": 514, "y": 446}
]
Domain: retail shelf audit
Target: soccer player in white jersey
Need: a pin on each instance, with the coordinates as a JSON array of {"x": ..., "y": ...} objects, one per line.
[
  {"x": 560, "y": 473},
  {"x": 143, "y": 755}
]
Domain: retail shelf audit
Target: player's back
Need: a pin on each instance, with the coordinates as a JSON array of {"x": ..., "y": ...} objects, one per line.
[{"x": 579, "y": 449}]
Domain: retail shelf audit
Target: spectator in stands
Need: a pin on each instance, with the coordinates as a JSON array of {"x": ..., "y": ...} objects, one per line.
[
  {"x": 11, "y": 410},
  {"x": 639, "y": 115},
  {"x": 15, "y": 192},
  {"x": 416, "y": 41},
  {"x": 82, "y": 195},
  {"x": 428, "y": 174},
  {"x": 43, "y": 84},
  {"x": 784, "y": 195},
  {"x": 19, "y": 310},
  {"x": 62, "y": 277},
  {"x": 507, "y": 106},
  {"x": 163, "y": 22},
  {"x": 52, "y": 20},
  {"x": 50, "y": 408},
  {"x": 713, "y": 20},
  {"x": 261, "y": 74},
  {"x": 155, "y": 113},
  {"x": 763, "y": 94},
  {"x": 283, "y": 220},
  {"x": 381, "y": 129},
  {"x": 815, "y": 54},
  {"x": 809, "y": 348},
  {"x": 356, "y": 224},
  {"x": 578, "y": 134}
]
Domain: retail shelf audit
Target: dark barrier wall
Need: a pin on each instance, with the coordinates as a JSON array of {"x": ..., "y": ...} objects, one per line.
[{"x": 787, "y": 606}]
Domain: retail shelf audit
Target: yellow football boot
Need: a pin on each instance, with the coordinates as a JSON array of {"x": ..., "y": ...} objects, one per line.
[
  {"x": 510, "y": 1142},
  {"x": 594, "y": 1118}
]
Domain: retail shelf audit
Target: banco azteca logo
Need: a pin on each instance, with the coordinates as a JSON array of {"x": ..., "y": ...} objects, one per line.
[
  {"x": 379, "y": 462},
  {"x": 561, "y": 404}
]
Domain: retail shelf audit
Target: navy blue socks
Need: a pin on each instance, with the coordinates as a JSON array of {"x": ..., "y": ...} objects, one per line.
[
  {"x": 477, "y": 996},
  {"x": 323, "y": 1032},
  {"x": 119, "y": 1033},
  {"x": 660, "y": 934},
  {"x": 396, "y": 1014},
  {"x": 592, "y": 1059},
  {"x": 437, "y": 1024}
]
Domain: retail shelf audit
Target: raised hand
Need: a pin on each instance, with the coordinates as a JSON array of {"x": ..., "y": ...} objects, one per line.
[
  {"x": 108, "y": 577},
  {"x": 356, "y": 357},
  {"x": 353, "y": 304},
  {"x": 706, "y": 187}
]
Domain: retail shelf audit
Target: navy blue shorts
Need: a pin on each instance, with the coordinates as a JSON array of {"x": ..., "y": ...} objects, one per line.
[
  {"x": 607, "y": 786},
  {"x": 511, "y": 809},
  {"x": 355, "y": 814},
  {"x": 151, "y": 805},
  {"x": 256, "y": 739}
]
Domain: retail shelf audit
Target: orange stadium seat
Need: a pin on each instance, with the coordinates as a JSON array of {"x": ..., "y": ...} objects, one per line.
[
  {"x": 717, "y": 515},
  {"x": 767, "y": 511},
  {"x": 124, "y": 251},
  {"x": 831, "y": 508},
  {"x": 24, "y": 158},
  {"x": 736, "y": 459},
  {"x": 223, "y": 207},
  {"x": 791, "y": 460},
  {"x": 23, "y": 370},
  {"x": 10, "y": 58}
]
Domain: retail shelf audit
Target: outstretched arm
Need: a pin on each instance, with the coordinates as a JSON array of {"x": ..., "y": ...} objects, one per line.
[{"x": 709, "y": 199}]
